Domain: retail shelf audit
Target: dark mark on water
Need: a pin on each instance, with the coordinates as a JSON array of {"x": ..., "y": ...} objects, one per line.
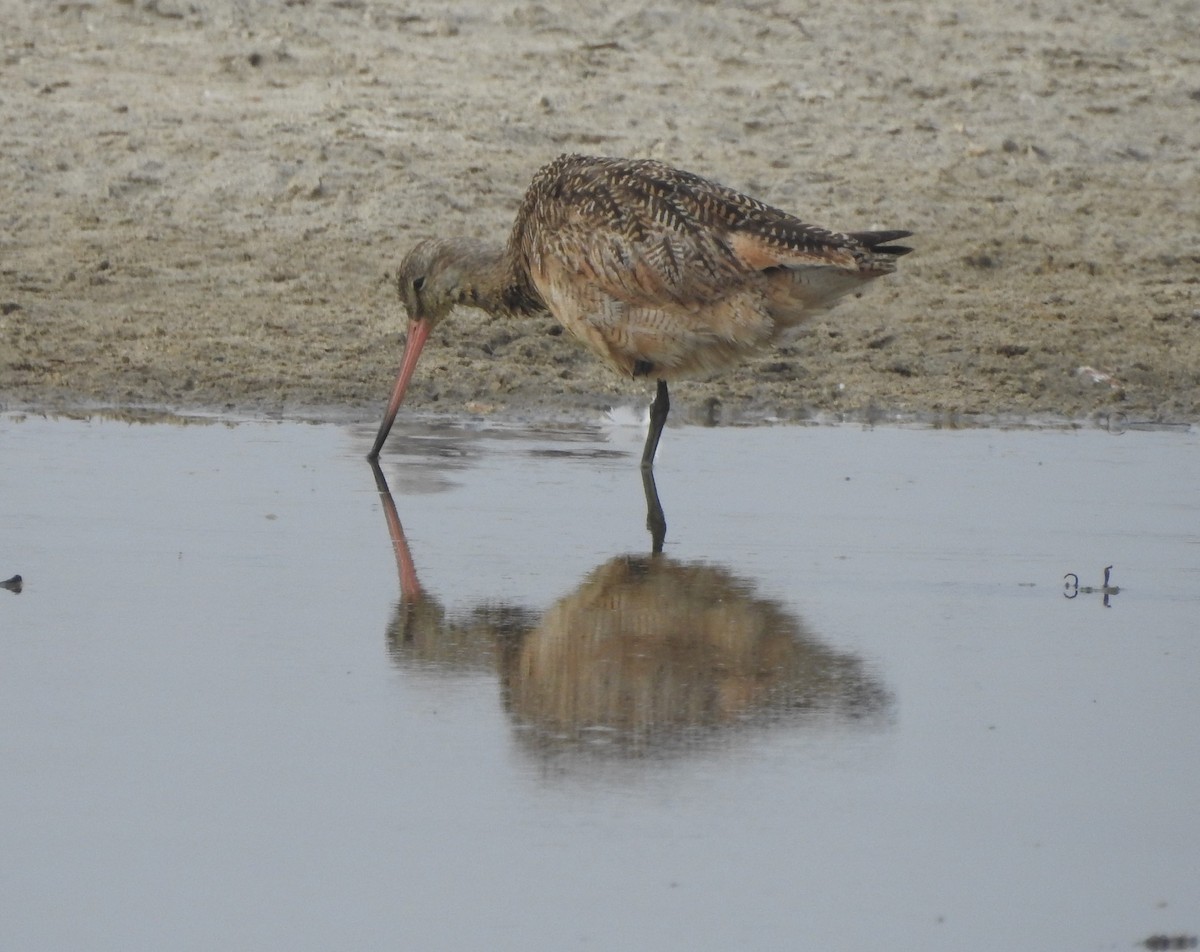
[
  {"x": 1072, "y": 588},
  {"x": 1163, "y": 942}
]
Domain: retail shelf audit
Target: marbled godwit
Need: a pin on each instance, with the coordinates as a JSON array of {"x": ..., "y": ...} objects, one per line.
[{"x": 661, "y": 273}]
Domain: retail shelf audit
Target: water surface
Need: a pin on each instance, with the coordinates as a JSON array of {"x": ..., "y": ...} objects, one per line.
[{"x": 244, "y": 704}]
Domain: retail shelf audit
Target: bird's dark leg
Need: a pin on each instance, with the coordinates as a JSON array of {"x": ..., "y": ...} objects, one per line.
[
  {"x": 656, "y": 520},
  {"x": 658, "y": 418}
]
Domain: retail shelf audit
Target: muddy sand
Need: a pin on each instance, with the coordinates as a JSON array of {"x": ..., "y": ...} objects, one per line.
[{"x": 202, "y": 204}]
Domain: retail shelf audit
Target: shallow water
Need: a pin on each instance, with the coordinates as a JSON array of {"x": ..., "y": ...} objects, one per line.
[{"x": 850, "y": 705}]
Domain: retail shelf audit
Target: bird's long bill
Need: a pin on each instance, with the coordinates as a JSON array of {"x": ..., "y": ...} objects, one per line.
[{"x": 418, "y": 333}]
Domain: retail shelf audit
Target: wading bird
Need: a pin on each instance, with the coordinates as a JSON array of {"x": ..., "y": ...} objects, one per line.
[{"x": 662, "y": 273}]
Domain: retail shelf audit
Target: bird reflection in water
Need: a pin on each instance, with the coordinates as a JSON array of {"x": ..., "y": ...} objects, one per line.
[{"x": 647, "y": 655}]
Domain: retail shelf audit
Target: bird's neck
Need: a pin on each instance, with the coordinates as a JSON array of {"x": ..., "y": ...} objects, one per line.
[{"x": 485, "y": 274}]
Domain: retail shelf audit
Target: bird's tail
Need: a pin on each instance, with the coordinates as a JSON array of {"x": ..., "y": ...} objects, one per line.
[
  {"x": 878, "y": 256},
  {"x": 879, "y": 242}
]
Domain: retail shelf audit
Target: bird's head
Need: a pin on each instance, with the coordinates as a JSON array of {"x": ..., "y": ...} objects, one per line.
[{"x": 431, "y": 281}]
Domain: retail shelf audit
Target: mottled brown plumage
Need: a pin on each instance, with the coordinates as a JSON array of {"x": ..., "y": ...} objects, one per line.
[{"x": 660, "y": 272}]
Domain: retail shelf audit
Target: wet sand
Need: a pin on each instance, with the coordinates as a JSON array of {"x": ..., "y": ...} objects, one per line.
[{"x": 203, "y": 205}]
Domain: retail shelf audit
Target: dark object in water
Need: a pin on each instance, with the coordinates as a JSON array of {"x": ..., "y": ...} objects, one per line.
[
  {"x": 12, "y": 584},
  {"x": 1165, "y": 942},
  {"x": 1071, "y": 586}
]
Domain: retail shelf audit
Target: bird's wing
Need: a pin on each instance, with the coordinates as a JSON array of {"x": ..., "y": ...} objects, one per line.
[{"x": 654, "y": 236}]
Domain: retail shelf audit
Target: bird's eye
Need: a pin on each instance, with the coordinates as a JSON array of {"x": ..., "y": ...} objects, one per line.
[{"x": 418, "y": 283}]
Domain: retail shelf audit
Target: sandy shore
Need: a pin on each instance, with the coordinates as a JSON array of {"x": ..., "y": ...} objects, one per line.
[{"x": 201, "y": 205}]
